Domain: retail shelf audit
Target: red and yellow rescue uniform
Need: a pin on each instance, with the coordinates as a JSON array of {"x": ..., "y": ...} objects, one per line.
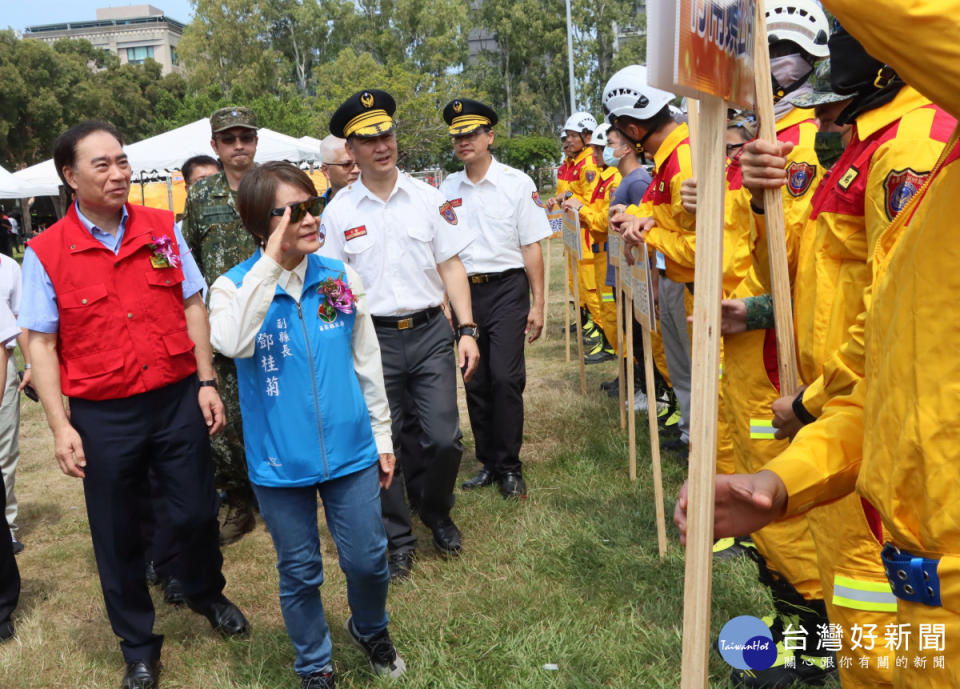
[
  {"x": 892, "y": 151},
  {"x": 579, "y": 176},
  {"x": 596, "y": 215},
  {"x": 750, "y": 382},
  {"x": 736, "y": 264}
]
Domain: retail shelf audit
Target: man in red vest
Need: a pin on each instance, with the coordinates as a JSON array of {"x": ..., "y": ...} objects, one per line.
[{"x": 117, "y": 324}]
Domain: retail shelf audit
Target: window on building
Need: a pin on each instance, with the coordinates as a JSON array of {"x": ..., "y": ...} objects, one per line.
[
  {"x": 136, "y": 56},
  {"x": 174, "y": 58}
]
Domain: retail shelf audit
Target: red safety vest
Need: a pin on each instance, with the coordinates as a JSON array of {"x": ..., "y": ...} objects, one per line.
[{"x": 122, "y": 325}]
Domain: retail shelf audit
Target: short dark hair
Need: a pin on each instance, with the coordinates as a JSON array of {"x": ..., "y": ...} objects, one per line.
[
  {"x": 195, "y": 162},
  {"x": 65, "y": 147},
  {"x": 257, "y": 193}
]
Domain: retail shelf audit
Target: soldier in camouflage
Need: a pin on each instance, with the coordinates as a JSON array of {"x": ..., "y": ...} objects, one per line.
[{"x": 212, "y": 229}]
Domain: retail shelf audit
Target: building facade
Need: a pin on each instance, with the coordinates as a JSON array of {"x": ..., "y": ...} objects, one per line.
[{"x": 133, "y": 33}]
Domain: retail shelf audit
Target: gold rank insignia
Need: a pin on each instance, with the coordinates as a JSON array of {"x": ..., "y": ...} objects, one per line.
[
  {"x": 457, "y": 106},
  {"x": 366, "y": 99}
]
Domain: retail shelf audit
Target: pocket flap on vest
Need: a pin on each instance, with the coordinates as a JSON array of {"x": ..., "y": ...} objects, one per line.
[
  {"x": 84, "y": 296},
  {"x": 165, "y": 277},
  {"x": 94, "y": 364},
  {"x": 178, "y": 342}
]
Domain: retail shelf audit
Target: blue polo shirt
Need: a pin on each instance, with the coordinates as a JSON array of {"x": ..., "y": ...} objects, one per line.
[{"x": 38, "y": 305}]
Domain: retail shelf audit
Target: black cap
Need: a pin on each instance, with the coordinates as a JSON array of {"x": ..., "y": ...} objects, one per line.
[
  {"x": 464, "y": 115},
  {"x": 366, "y": 113}
]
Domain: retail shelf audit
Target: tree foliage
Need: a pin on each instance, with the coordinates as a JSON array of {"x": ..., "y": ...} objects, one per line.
[{"x": 294, "y": 61}]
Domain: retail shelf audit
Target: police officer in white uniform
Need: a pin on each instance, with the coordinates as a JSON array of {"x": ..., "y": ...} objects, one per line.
[
  {"x": 503, "y": 263},
  {"x": 404, "y": 238}
]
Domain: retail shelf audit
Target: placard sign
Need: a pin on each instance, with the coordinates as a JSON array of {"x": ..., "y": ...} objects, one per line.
[
  {"x": 555, "y": 218},
  {"x": 643, "y": 308},
  {"x": 706, "y": 46},
  {"x": 571, "y": 234},
  {"x": 614, "y": 248}
]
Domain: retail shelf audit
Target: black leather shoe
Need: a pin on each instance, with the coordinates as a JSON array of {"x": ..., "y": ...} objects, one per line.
[
  {"x": 446, "y": 537},
  {"x": 150, "y": 572},
  {"x": 6, "y": 630},
  {"x": 400, "y": 565},
  {"x": 483, "y": 478},
  {"x": 141, "y": 674},
  {"x": 512, "y": 486},
  {"x": 223, "y": 615},
  {"x": 173, "y": 592}
]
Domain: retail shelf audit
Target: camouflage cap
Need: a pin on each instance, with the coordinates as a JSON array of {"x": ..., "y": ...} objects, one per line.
[
  {"x": 822, "y": 90},
  {"x": 225, "y": 118}
]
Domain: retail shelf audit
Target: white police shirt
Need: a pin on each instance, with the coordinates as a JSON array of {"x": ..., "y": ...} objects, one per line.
[
  {"x": 395, "y": 245},
  {"x": 504, "y": 209}
]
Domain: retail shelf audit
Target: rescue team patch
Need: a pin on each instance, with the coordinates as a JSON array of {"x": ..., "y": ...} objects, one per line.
[
  {"x": 446, "y": 210},
  {"x": 355, "y": 232},
  {"x": 848, "y": 178},
  {"x": 591, "y": 175},
  {"x": 800, "y": 177},
  {"x": 899, "y": 187},
  {"x": 536, "y": 199}
]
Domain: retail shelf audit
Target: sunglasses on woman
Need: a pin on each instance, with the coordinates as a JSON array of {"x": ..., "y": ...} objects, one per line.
[{"x": 314, "y": 205}]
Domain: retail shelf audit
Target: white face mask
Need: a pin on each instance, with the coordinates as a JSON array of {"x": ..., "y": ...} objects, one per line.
[{"x": 609, "y": 158}]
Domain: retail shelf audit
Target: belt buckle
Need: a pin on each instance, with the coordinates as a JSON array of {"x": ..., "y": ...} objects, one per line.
[
  {"x": 404, "y": 324},
  {"x": 478, "y": 279}
]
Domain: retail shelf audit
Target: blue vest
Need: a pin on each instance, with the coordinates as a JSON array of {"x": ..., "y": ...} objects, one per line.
[{"x": 305, "y": 419}]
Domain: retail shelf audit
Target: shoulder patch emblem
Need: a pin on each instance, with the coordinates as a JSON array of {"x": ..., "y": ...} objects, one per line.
[
  {"x": 799, "y": 177},
  {"x": 448, "y": 214},
  {"x": 536, "y": 199},
  {"x": 355, "y": 232},
  {"x": 591, "y": 175},
  {"x": 899, "y": 187},
  {"x": 848, "y": 177}
]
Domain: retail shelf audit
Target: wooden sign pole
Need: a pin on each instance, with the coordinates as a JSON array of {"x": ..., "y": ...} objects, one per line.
[
  {"x": 622, "y": 360},
  {"x": 705, "y": 359},
  {"x": 631, "y": 414},
  {"x": 566, "y": 301},
  {"x": 773, "y": 213},
  {"x": 579, "y": 334},
  {"x": 654, "y": 441},
  {"x": 546, "y": 288}
]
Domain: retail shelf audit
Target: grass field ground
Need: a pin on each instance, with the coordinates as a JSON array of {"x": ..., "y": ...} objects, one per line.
[{"x": 569, "y": 577}]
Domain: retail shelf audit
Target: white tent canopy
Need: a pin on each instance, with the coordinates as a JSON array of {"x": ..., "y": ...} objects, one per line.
[
  {"x": 169, "y": 150},
  {"x": 13, "y": 188}
]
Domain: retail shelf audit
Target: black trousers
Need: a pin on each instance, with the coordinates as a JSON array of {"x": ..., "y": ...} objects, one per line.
[
  {"x": 9, "y": 574},
  {"x": 162, "y": 431},
  {"x": 420, "y": 373},
  {"x": 495, "y": 393},
  {"x": 159, "y": 546}
]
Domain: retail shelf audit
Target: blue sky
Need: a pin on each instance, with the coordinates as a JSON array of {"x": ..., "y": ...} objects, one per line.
[{"x": 18, "y": 14}]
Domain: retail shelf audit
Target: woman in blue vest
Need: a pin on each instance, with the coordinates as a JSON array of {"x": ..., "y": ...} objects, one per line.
[{"x": 315, "y": 414}]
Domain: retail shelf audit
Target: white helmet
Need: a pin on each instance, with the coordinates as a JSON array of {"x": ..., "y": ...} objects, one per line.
[
  {"x": 800, "y": 21},
  {"x": 580, "y": 122},
  {"x": 599, "y": 137},
  {"x": 628, "y": 94}
]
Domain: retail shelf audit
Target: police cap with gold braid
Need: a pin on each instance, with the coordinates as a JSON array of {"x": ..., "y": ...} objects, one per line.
[
  {"x": 366, "y": 113},
  {"x": 464, "y": 115}
]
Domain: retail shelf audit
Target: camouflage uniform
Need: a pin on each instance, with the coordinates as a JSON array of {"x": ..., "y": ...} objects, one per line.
[{"x": 212, "y": 228}]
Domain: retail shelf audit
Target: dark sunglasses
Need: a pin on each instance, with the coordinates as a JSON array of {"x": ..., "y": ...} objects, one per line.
[
  {"x": 228, "y": 139},
  {"x": 314, "y": 205}
]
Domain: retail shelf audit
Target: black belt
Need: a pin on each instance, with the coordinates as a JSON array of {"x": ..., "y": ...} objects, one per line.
[
  {"x": 480, "y": 278},
  {"x": 406, "y": 322}
]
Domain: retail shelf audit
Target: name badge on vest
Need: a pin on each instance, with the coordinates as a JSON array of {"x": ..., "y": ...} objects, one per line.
[{"x": 159, "y": 262}]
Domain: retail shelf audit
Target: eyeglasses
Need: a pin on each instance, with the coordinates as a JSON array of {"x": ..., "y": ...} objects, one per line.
[
  {"x": 733, "y": 148},
  {"x": 314, "y": 205},
  {"x": 346, "y": 166},
  {"x": 228, "y": 139}
]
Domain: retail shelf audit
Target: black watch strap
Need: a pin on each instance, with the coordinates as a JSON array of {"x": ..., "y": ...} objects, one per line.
[
  {"x": 470, "y": 330},
  {"x": 209, "y": 384},
  {"x": 801, "y": 412}
]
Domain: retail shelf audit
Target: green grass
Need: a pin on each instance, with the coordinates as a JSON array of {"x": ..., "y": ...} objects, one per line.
[{"x": 570, "y": 576}]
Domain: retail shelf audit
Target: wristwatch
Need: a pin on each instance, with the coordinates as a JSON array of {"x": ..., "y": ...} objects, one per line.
[
  {"x": 209, "y": 384},
  {"x": 470, "y": 329}
]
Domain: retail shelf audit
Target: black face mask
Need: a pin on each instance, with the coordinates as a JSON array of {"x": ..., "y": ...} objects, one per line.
[
  {"x": 852, "y": 70},
  {"x": 829, "y": 147}
]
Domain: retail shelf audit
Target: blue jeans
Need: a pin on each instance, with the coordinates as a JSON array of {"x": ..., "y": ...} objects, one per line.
[{"x": 352, "y": 508}]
